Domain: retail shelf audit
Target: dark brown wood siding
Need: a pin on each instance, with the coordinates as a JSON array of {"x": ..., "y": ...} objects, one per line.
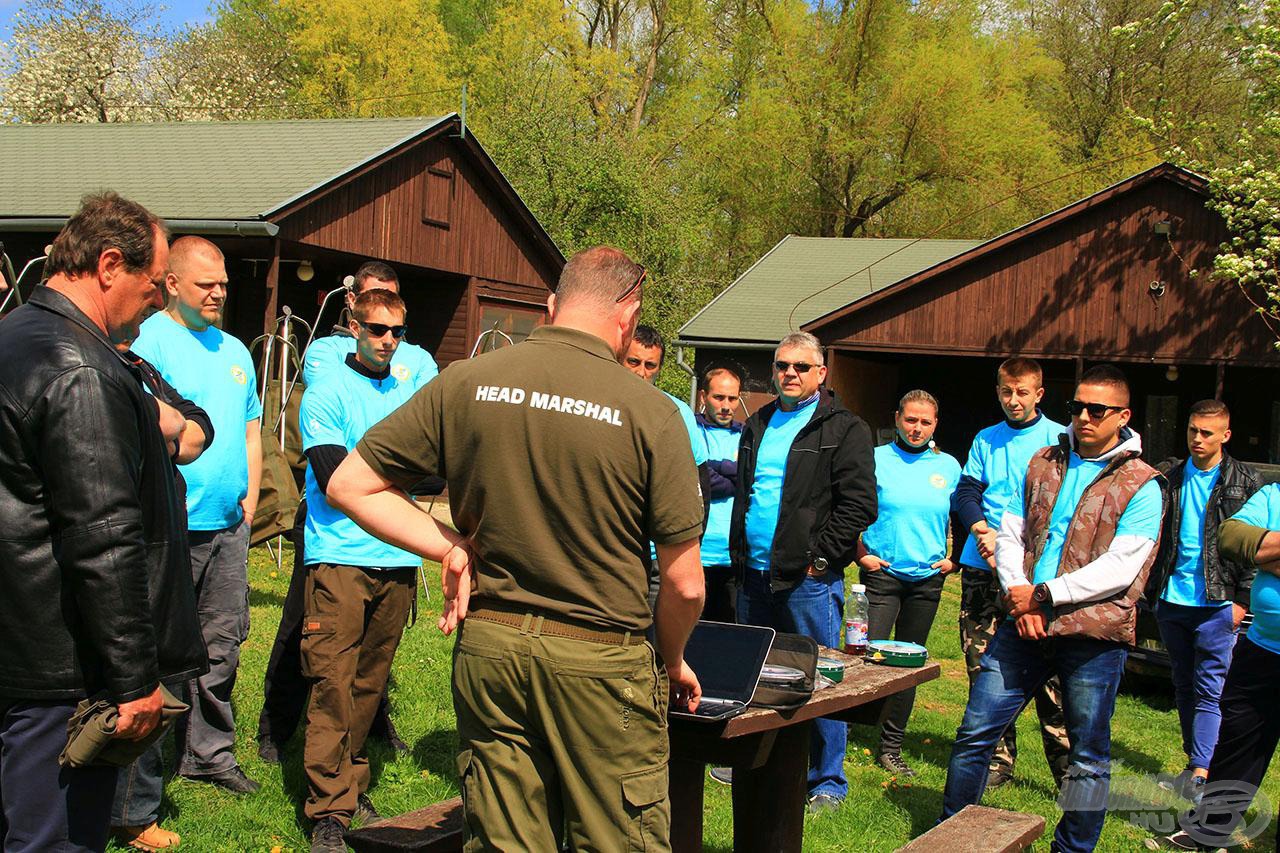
[
  {"x": 380, "y": 214},
  {"x": 1081, "y": 286}
]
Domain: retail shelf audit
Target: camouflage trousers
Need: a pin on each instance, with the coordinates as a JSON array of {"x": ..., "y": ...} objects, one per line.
[{"x": 980, "y": 615}]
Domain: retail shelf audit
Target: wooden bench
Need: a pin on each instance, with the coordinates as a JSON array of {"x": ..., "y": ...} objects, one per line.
[
  {"x": 434, "y": 829},
  {"x": 980, "y": 829}
]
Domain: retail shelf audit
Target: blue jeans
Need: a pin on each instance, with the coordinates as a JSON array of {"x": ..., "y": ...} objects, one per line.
[
  {"x": 1011, "y": 671},
  {"x": 814, "y": 608},
  {"x": 1200, "y": 641}
]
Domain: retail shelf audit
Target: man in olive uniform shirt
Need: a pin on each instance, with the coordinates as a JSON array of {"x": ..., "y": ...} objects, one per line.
[{"x": 561, "y": 467}]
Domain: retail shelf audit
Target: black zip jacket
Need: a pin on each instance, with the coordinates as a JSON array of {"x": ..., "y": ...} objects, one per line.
[
  {"x": 1224, "y": 579},
  {"x": 95, "y": 573},
  {"x": 828, "y": 492}
]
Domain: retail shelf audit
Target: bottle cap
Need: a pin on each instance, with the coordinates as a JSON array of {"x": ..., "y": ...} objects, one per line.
[{"x": 858, "y": 587}]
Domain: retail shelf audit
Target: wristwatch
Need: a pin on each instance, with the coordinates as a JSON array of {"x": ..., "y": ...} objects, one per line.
[
  {"x": 1041, "y": 594},
  {"x": 819, "y": 564}
]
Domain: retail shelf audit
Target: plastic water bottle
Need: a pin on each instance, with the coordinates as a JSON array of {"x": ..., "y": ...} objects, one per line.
[{"x": 855, "y": 621}]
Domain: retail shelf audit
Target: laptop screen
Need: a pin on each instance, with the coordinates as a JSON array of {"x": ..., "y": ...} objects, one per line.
[{"x": 728, "y": 658}]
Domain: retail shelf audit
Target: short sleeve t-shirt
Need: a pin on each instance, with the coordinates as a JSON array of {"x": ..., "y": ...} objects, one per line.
[
  {"x": 215, "y": 371},
  {"x": 913, "y": 492},
  {"x": 339, "y": 410},
  {"x": 1186, "y": 583},
  {"x": 1141, "y": 516},
  {"x": 561, "y": 465},
  {"x": 998, "y": 459},
  {"x": 1263, "y": 510},
  {"x": 411, "y": 364},
  {"x": 696, "y": 441},
  {"x": 766, "y": 487},
  {"x": 720, "y": 443}
]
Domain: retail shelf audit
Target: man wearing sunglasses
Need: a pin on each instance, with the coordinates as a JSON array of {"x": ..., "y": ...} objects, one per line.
[
  {"x": 1076, "y": 544},
  {"x": 806, "y": 491},
  {"x": 411, "y": 363},
  {"x": 359, "y": 590},
  {"x": 284, "y": 689}
]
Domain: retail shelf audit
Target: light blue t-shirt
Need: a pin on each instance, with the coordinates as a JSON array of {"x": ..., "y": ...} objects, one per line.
[
  {"x": 1141, "y": 517},
  {"x": 695, "y": 441},
  {"x": 213, "y": 370},
  {"x": 1186, "y": 583},
  {"x": 410, "y": 363},
  {"x": 998, "y": 459},
  {"x": 695, "y": 432},
  {"x": 913, "y": 492},
  {"x": 1263, "y": 510},
  {"x": 340, "y": 409},
  {"x": 720, "y": 443},
  {"x": 765, "y": 499}
]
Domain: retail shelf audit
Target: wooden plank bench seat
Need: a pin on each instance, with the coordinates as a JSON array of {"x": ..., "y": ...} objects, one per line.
[
  {"x": 980, "y": 829},
  {"x": 434, "y": 829}
]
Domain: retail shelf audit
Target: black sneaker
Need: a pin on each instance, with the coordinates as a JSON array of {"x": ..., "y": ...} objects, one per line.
[
  {"x": 270, "y": 751},
  {"x": 723, "y": 775},
  {"x": 232, "y": 780},
  {"x": 365, "y": 813},
  {"x": 892, "y": 761},
  {"x": 998, "y": 778},
  {"x": 326, "y": 836}
]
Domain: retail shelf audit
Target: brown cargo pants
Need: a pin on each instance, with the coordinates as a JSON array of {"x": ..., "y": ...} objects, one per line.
[
  {"x": 980, "y": 615},
  {"x": 353, "y": 623},
  {"x": 560, "y": 738}
]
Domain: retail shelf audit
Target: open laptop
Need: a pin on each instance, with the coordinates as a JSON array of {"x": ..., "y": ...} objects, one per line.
[{"x": 727, "y": 660}]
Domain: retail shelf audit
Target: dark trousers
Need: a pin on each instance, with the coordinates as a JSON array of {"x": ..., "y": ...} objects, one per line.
[
  {"x": 722, "y": 594},
  {"x": 47, "y": 807},
  {"x": 900, "y": 610},
  {"x": 284, "y": 688},
  {"x": 1246, "y": 742}
]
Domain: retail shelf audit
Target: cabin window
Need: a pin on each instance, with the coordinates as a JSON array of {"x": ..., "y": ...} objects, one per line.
[
  {"x": 514, "y": 321},
  {"x": 437, "y": 204}
]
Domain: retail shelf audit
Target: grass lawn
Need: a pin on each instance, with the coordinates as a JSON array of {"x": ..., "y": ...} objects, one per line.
[{"x": 879, "y": 815}]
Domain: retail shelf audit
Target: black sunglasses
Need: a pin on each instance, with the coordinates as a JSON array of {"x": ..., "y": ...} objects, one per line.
[
  {"x": 801, "y": 367},
  {"x": 624, "y": 294},
  {"x": 380, "y": 329},
  {"x": 1097, "y": 411}
]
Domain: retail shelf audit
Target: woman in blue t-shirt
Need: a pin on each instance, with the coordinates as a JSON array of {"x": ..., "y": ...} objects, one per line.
[{"x": 905, "y": 560}]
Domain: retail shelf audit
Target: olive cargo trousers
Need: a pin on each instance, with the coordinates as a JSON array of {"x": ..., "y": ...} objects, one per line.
[
  {"x": 560, "y": 736},
  {"x": 352, "y": 627}
]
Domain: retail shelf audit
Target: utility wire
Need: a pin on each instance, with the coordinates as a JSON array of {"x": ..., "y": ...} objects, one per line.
[{"x": 965, "y": 216}]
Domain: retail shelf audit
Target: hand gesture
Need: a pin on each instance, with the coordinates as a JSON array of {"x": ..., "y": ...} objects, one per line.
[
  {"x": 455, "y": 582},
  {"x": 1031, "y": 626},
  {"x": 686, "y": 692},
  {"x": 872, "y": 563},
  {"x": 986, "y": 539},
  {"x": 944, "y": 566},
  {"x": 1018, "y": 600},
  {"x": 139, "y": 717}
]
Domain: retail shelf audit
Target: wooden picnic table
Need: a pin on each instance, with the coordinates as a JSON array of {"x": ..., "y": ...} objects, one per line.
[{"x": 769, "y": 754}]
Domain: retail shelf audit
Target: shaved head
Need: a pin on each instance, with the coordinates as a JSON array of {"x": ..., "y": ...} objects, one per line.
[{"x": 185, "y": 250}]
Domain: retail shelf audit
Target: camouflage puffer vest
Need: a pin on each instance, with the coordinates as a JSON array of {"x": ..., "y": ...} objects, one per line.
[{"x": 1093, "y": 526}]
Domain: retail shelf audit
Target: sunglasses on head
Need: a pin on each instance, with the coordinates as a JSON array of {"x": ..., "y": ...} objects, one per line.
[
  {"x": 380, "y": 329},
  {"x": 801, "y": 367},
  {"x": 624, "y": 294},
  {"x": 1097, "y": 411}
]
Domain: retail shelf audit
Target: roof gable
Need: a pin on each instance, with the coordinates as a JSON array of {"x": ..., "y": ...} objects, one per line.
[
  {"x": 810, "y": 276},
  {"x": 1161, "y": 171}
]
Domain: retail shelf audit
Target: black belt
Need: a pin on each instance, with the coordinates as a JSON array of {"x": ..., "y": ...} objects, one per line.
[{"x": 553, "y": 626}]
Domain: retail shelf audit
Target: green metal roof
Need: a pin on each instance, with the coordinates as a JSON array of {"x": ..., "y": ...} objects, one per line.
[
  {"x": 757, "y": 306},
  {"x": 187, "y": 170}
]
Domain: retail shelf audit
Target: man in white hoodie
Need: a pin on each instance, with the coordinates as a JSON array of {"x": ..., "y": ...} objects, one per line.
[{"x": 1072, "y": 555}]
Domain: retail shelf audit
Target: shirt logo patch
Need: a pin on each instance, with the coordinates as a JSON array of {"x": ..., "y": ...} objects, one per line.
[
  {"x": 938, "y": 481},
  {"x": 399, "y": 371},
  {"x": 238, "y": 374}
]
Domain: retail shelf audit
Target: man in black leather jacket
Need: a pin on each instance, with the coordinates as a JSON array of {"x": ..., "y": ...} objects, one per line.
[{"x": 95, "y": 594}]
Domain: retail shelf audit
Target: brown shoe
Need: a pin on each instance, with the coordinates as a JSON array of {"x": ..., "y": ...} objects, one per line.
[{"x": 152, "y": 837}]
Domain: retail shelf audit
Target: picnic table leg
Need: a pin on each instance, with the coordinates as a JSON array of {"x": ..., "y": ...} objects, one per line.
[
  {"x": 769, "y": 800},
  {"x": 685, "y": 785}
]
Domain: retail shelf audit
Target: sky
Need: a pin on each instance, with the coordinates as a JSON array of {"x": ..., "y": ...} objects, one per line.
[{"x": 173, "y": 13}]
